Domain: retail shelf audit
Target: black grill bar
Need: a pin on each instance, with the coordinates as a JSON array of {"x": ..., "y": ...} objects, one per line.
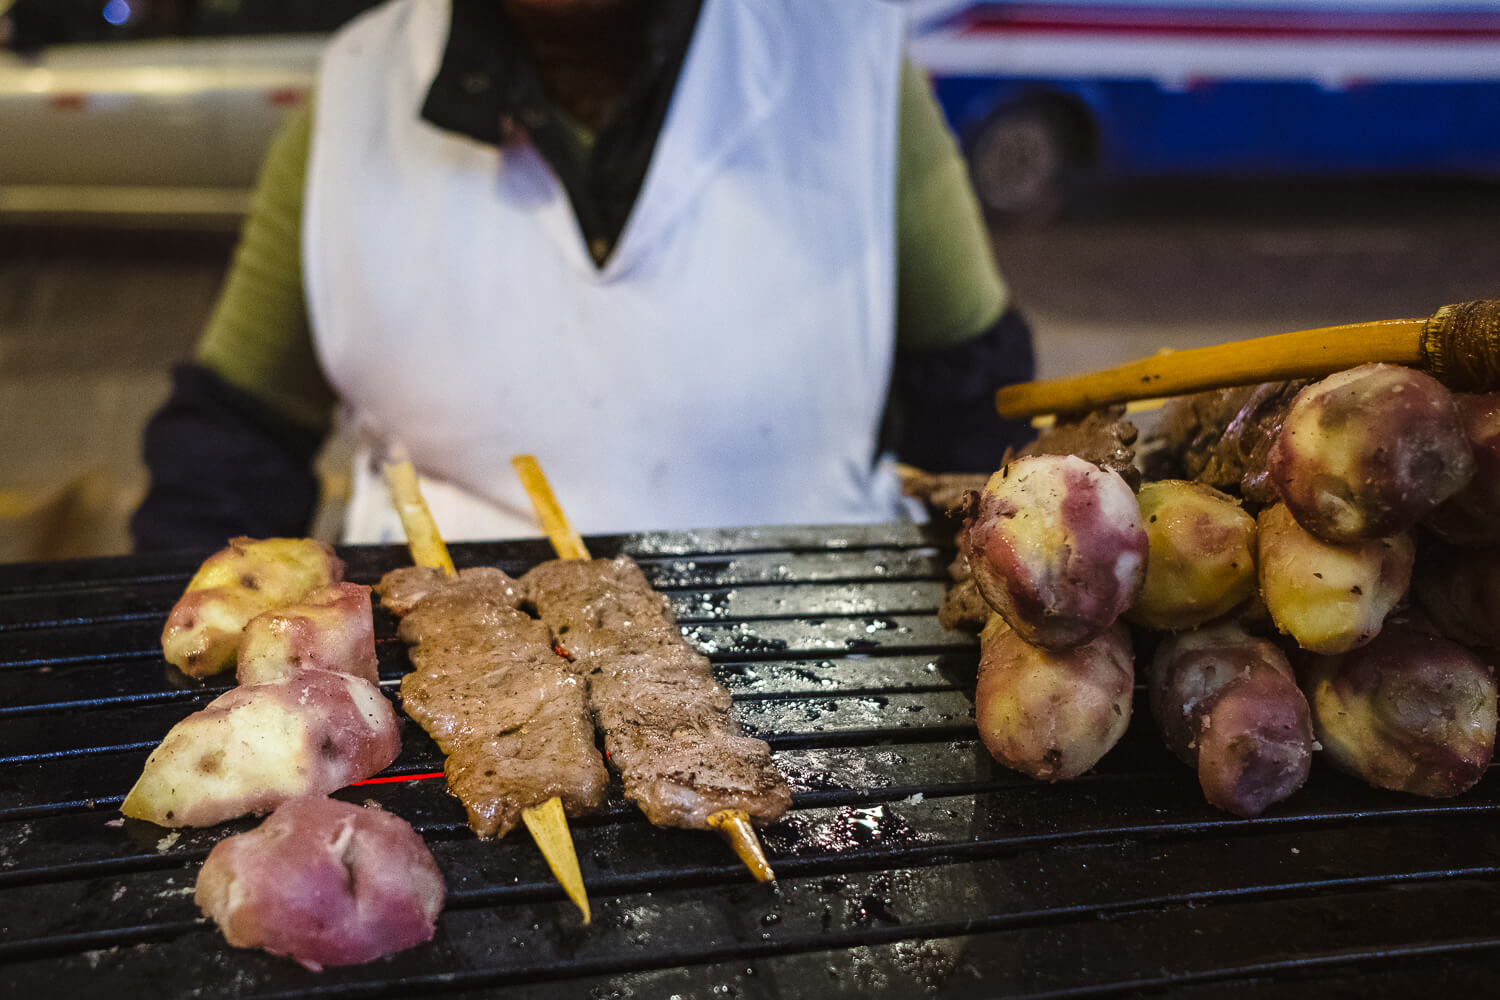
[{"x": 910, "y": 865}]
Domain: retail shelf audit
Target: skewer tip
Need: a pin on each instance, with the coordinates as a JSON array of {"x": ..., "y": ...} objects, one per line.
[
  {"x": 549, "y": 828},
  {"x": 734, "y": 824}
]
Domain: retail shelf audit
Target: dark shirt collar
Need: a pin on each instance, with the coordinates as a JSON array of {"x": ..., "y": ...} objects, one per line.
[{"x": 488, "y": 88}]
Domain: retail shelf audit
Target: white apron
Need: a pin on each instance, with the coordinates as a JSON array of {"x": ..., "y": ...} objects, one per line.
[{"x": 727, "y": 367}]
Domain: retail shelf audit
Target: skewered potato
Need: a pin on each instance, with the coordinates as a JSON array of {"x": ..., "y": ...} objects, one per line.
[
  {"x": 1201, "y": 560},
  {"x": 242, "y": 580},
  {"x": 1472, "y": 515},
  {"x": 329, "y": 629},
  {"x": 1329, "y": 598},
  {"x": 254, "y": 747},
  {"x": 1368, "y": 452},
  {"x": 1412, "y": 711},
  {"x": 1052, "y": 714},
  {"x": 1228, "y": 705},
  {"x": 323, "y": 882},
  {"x": 1056, "y": 547}
]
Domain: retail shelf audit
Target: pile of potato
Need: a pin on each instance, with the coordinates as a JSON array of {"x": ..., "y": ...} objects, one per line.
[
  {"x": 1335, "y": 590},
  {"x": 322, "y": 882}
]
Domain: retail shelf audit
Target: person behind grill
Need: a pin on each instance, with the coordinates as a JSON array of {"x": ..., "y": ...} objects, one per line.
[{"x": 715, "y": 262}]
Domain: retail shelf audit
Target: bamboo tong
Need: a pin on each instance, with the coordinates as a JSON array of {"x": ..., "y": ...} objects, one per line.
[{"x": 1459, "y": 345}]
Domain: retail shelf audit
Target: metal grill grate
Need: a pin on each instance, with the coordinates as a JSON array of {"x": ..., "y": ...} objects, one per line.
[{"x": 911, "y": 864}]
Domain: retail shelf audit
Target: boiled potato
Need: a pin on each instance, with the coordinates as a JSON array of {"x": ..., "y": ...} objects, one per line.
[
  {"x": 1201, "y": 555},
  {"x": 1228, "y": 705},
  {"x": 1368, "y": 452},
  {"x": 242, "y": 580},
  {"x": 323, "y": 882},
  {"x": 330, "y": 629},
  {"x": 1411, "y": 711},
  {"x": 1472, "y": 515},
  {"x": 1056, "y": 547},
  {"x": 256, "y": 746},
  {"x": 1458, "y": 587},
  {"x": 1052, "y": 714},
  {"x": 1329, "y": 597}
]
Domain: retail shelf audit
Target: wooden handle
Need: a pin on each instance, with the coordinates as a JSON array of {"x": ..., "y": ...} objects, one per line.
[{"x": 1458, "y": 344}]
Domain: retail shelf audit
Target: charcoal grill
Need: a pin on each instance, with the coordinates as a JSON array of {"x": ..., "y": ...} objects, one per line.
[{"x": 911, "y": 865}]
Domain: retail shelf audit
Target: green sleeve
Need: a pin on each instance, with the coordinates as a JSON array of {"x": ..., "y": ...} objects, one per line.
[
  {"x": 947, "y": 285},
  {"x": 258, "y": 337}
]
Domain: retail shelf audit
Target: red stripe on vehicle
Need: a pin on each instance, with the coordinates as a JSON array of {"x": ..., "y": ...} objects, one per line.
[
  {"x": 68, "y": 102},
  {"x": 1286, "y": 24}
]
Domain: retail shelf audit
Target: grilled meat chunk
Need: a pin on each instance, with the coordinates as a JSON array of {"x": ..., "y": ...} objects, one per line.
[
  {"x": 1221, "y": 438},
  {"x": 667, "y": 723},
  {"x": 401, "y": 590},
  {"x": 510, "y": 714},
  {"x": 1103, "y": 437}
]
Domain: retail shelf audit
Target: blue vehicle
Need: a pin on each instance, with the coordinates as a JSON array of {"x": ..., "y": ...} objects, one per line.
[{"x": 1041, "y": 92}]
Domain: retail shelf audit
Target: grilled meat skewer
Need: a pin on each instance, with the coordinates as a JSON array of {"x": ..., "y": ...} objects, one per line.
[
  {"x": 468, "y": 676},
  {"x": 666, "y": 722},
  {"x": 508, "y": 712},
  {"x": 733, "y": 823}
]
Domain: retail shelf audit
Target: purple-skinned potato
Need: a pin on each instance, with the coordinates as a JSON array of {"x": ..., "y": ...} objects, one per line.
[
  {"x": 1411, "y": 711},
  {"x": 1368, "y": 452},
  {"x": 1056, "y": 546},
  {"x": 1228, "y": 705},
  {"x": 1052, "y": 714},
  {"x": 255, "y": 746},
  {"x": 245, "y": 578},
  {"x": 329, "y": 629},
  {"x": 1458, "y": 588},
  {"x": 323, "y": 882},
  {"x": 1472, "y": 515}
]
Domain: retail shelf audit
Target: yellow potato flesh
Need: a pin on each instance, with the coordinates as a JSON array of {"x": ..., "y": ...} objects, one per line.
[{"x": 212, "y": 769}]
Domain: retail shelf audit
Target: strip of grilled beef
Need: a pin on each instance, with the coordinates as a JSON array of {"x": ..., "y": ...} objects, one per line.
[
  {"x": 667, "y": 723},
  {"x": 509, "y": 712},
  {"x": 1221, "y": 437}
]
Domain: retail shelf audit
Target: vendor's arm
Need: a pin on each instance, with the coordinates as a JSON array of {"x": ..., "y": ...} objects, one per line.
[
  {"x": 231, "y": 452},
  {"x": 959, "y": 337}
]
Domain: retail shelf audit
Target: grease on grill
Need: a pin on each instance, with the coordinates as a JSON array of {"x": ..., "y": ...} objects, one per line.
[{"x": 842, "y": 831}]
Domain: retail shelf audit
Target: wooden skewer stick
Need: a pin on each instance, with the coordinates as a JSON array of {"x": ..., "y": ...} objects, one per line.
[
  {"x": 547, "y": 823},
  {"x": 566, "y": 542},
  {"x": 1459, "y": 345},
  {"x": 734, "y": 824},
  {"x": 422, "y": 537}
]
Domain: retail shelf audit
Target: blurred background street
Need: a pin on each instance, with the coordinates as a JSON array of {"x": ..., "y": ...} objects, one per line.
[{"x": 91, "y": 319}]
